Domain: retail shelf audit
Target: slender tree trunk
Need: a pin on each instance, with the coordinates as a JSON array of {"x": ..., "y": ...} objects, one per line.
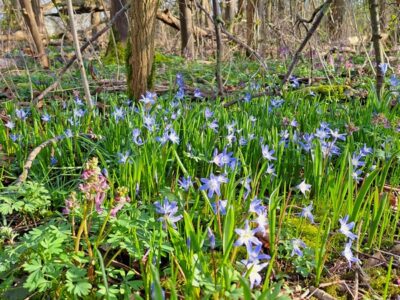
[
  {"x": 30, "y": 20},
  {"x": 217, "y": 25},
  {"x": 229, "y": 12},
  {"x": 186, "y": 21},
  {"x": 376, "y": 40},
  {"x": 251, "y": 27},
  {"x": 336, "y": 18},
  {"x": 79, "y": 55},
  {"x": 120, "y": 27},
  {"x": 140, "y": 48}
]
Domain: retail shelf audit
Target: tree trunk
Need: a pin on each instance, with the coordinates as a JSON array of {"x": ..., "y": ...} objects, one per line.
[
  {"x": 186, "y": 21},
  {"x": 336, "y": 17},
  {"x": 217, "y": 25},
  {"x": 251, "y": 30},
  {"x": 376, "y": 40},
  {"x": 140, "y": 50},
  {"x": 229, "y": 12},
  {"x": 95, "y": 21},
  {"x": 30, "y": 20},
  {"x": 120, "y": 28}
]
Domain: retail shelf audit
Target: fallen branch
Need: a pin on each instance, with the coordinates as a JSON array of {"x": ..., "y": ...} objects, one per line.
[
  {"x": 35, "y": 152},
  {"x": 83, "y": 48}
]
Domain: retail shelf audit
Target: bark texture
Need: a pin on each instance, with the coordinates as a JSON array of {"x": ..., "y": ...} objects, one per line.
[
  {"x": 140, "y": 50},
  {"x": 186, "y": 24},
  {"x": 30, "y": 20},
  {"x": 120, "y": 27},
  {"x": 336, "y": 18},
  {"x": 376, "y": 40}
]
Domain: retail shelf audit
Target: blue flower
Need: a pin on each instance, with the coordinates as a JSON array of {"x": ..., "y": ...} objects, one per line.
[
  {"x": 394, "y": 81},
  {"x": 294, "y": 81},
  {"x": 266, "y": 153},
  {"x": 253, "y": 270},
  {"x": 255, "y": 255},
  {"x": 356, "y": 161},
  {"x": 219, "y": 207},
  {"x": 118, "y": 114},
  {"x": 79, "y": 113},
  {"x": 185, "y": 183},
  {"x": 365, "y": 150},
  {"x": 14, "y": 137},
  {"x": 306, "y": 212},
  {"x": 211, "y": 238},
  {"x": 270, "y": 170},
  {"x": 68, "y": 133},
  {"x": 123, "y": 157},
  {"x": 349, "y": 255},
  {"x": 208, "y": 113},
  {"x": 46, "y": 117},
  {"x": 297, "y": 245},
  {"x": 173, "y": 136},
  {"x": 247, "y": 97},
  {"x": 213, "y": 125},
  {"x": 247, "y": 237},
  {"x": 10, "y": 125},
  {"x": 304, "y": 187},
  {"x": 169, "y": 211},
  {"x": 148, "y": 98},
  {"x": 338, "y": 136},
  {"x": 383, "y": 67},
  {"x": 197, "y": 93},
  {"x": 213, "y": 184},
  {"x": 21, "y": 114},
  {"x": 222, "y": 158},
  {"x": 262, "y": 221},
  {"x": 345, "y": 228},
  {"x": 53, "y": 161},
  {"x": 256, "y": 206},
  {"x": 136, "y": 137}
]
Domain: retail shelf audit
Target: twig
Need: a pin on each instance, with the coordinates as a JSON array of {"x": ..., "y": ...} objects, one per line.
[
  {"x": 317, "y": 21},
  {"x": 35, "y": 152},
  {"x": 83, "y": 48}
]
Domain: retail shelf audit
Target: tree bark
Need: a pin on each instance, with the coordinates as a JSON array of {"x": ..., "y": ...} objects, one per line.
[
  {"x": 140, "y": 50},
  {"x": 186, "y": 22},
  {"x": 229, "y": 12},
  {"x": 217, "y": 25},
  {"x": 120, "y": 28},
  {"x": 30, "y": 20},
  {"x": 79, "y": 55},
  {"x": 251, "y": 30},
  {"x": 336, "y": 18},
  {"x": 376, "y": 40}
]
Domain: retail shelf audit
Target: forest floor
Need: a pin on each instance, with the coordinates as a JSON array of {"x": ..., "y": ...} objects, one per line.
[{"x": 266, "y": 193}]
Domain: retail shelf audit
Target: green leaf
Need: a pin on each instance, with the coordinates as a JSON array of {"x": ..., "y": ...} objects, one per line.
[{"x": 228, "y": 231}]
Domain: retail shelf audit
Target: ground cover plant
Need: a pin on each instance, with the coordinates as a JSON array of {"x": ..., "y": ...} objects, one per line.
[{"x": 177, "y": 196}]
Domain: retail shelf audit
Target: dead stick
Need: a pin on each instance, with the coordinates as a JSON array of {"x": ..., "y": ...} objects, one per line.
[
  {"x": 35, "y": 152},
  {"x": 310, "y": 32},
  {"x": 83, "y": 48}
]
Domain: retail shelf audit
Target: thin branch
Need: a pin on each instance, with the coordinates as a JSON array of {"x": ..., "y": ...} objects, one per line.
[
  {"x": 313, "y": 28},
  {"x": 233, "y": 38}
]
